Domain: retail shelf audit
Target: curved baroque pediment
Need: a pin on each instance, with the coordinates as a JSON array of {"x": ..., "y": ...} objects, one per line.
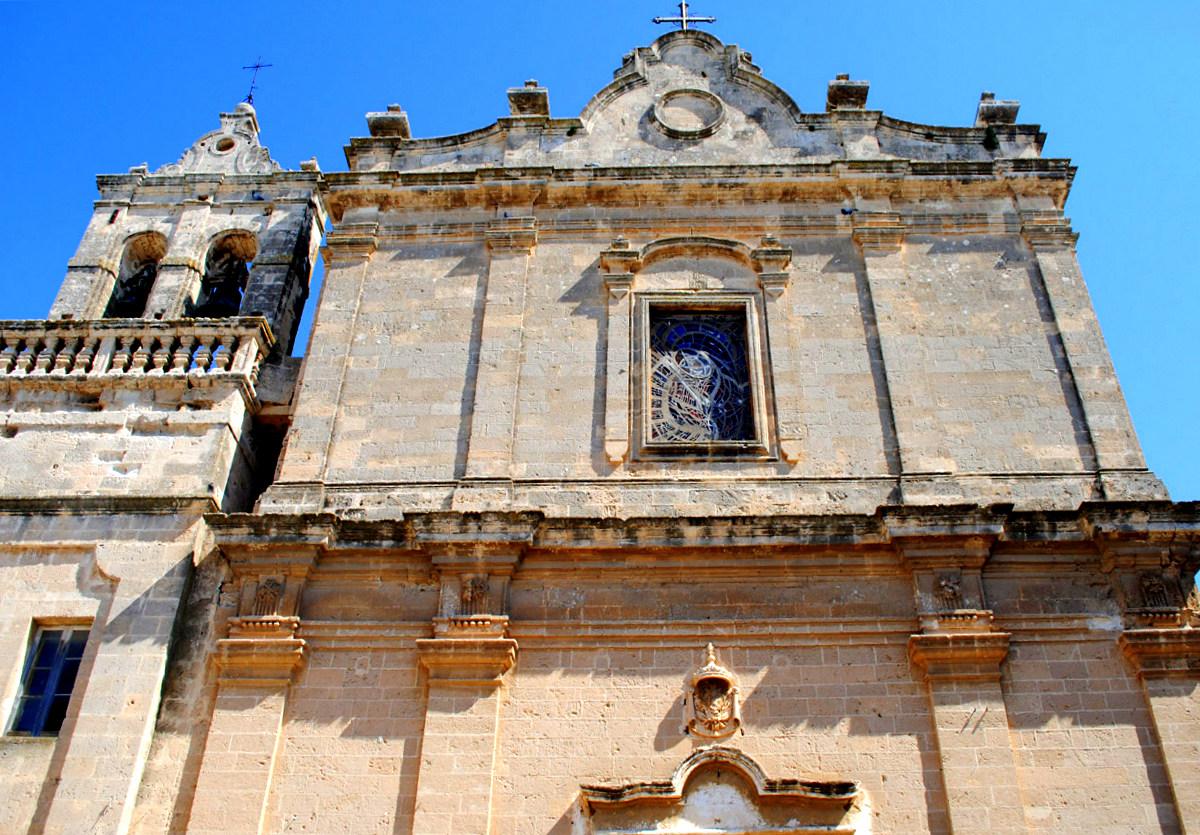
[{"x": 233, "y": 149}]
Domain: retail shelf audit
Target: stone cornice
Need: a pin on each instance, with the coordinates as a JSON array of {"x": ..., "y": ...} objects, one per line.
[
  {"x": 832, "y": 181},
  {"x": 915, "y": 531},
  {"x": 108, "y": 505}
]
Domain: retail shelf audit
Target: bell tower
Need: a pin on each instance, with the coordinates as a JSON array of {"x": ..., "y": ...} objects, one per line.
[{"x": 223, "y": 232}]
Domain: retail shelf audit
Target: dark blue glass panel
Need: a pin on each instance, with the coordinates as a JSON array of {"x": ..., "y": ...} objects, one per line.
[
  {"x": 77, "y": 643},
  {"x": 56, "y": 714},
  {"x": 39, "y": 677},
  {"x": 27, "y": 716},
  {"x": 66, "y": 677},
  {"x": 47, "y": 648}
]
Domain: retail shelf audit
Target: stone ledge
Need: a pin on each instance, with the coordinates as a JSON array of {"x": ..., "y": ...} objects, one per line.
[
  {"x": 467, "y": 661},
  {"x": 258, "y": 662},
  {"x": 959, "y": 656},
  {"x": 1163, "y": 653}
]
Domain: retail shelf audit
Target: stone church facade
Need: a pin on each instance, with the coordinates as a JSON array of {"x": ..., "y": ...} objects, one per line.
[{"x": 694, "y": 465}]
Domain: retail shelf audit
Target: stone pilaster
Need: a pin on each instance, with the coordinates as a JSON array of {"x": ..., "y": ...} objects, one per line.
[
  {"x": 1119, "y": 457},
  {"x": 246, "y": 731},
  {"x": 1167, "y": 662},
  {"x": 348, "y": 255},
  {"x": 771, "y": 261},
  {"x": 879, "y": 236},
  {"x": 962, "y": 671},
  {"x": 510, "y": 243},
  {"x": 959, "y": 653},
  {"x": 180, "y": 273},
  {"x": 618, "y": 263},
  {"x": 464, "y": 665},
  {"x": 256, "y": 665},
  {"x": 462, "y": 717}
]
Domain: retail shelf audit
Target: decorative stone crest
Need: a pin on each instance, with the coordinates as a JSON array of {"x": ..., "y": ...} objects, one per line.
[{"x": 712, "y": 707}]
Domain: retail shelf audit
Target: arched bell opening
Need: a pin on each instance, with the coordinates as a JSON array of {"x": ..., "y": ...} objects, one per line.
[
  {"x": 226, "y": 273},
  {"x": 136, "y": 275}
]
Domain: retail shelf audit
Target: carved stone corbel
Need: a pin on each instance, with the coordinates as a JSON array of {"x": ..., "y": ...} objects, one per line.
[
  {"x": 1163, "y": 653},
  {"x": 970, "y": 656},
  {"x": 262, "y": 646},
  {"x": 516, "y": 235},
  {"x": 1151, "y": 580},
  {"x": 878, "y": 233},
  {"x": 946, "y": 557}
]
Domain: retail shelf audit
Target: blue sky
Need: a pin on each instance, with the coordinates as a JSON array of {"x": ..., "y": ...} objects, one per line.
[{"x": 99, "y": 87}]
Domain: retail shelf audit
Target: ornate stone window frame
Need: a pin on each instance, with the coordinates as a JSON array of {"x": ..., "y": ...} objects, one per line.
[
  {"x": 744, "y": 304},
  {"x": 777, "y": 415}
]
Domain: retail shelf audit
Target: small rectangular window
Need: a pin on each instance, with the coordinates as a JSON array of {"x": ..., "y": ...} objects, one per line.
[{"x": 49, "y": 677}]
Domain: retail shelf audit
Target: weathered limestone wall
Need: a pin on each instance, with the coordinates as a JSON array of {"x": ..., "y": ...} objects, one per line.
[
  {"x": 123, "y": 442},
  {"x": 164, "y": 800},
  {"x": 1082, "y": 735},
  {"x": 594, "y": 710},
  {"x": 827, "y": 692},
  {"x": 941, "y": 366},
  {"x": 64, "y": 583},
  {"x": 122, "y": 575}
]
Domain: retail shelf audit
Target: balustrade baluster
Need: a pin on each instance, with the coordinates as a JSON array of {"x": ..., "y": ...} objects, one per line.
[
  {"x": 27, "y": 356},
  {"x": 8, "y": 357},
  {"x": 45, "y": 357},
  {"x": 122, "y": 356},
  {"x": 182, "y": 359},
  {"x": 162, "y": 355},
  {"x": 83, "y": 359},
  {"x": 141, "y": 355},
  {"x": 203, "y": 356},
  {"x": 223, "y": 356},
  {"x": 66, "y": 356}
]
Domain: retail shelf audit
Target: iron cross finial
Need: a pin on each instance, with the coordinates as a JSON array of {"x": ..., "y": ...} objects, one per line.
[
  {"x": 256, "y": 66},
  {"x": 683, "y": 19}
]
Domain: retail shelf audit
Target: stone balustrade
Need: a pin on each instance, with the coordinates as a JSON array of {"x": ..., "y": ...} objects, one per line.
[{"x": 110, "y": 351}]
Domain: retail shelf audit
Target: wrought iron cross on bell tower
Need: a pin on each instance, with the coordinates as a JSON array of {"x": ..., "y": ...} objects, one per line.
[{"x": 683, "y": 19}]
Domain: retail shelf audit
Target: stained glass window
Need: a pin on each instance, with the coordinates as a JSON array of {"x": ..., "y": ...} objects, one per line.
[{"x": 699, "y": 376}]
